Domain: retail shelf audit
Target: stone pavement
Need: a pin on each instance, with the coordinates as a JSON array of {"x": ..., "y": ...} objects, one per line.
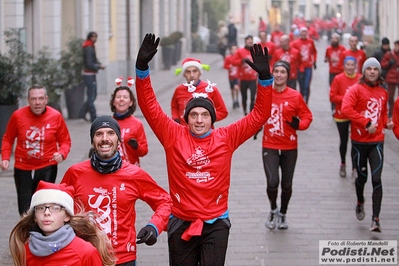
[{"x": 321, "y": 207}]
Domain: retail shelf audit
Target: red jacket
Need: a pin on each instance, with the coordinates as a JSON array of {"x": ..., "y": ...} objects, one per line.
[
  {"x": 363, "y": 104},
  {"x": 113, "y": 197},
  {"x": 277, "y": 133},
  {"x": 199, "y": 168},
  {"x": 245, "y": 72},
  {"x": 132, "y": 128},
  {"x": 77, "y": 253},
  {"x": 233, "y": 70},
  {"x": 293, "y": 57},
  {"x": 181, "y": 96},
  {"x": 360, "y": 56},
  {"x": 308, "y": 51},
  {"x": 392, "y": 76},
  {"x": 339, "y": 86},
  {"x": 333, "y": 56},
  {"x": 38, "y": 138}
]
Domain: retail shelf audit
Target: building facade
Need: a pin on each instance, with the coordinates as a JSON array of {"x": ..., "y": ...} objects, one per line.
[{"x": 120, "y": 24}]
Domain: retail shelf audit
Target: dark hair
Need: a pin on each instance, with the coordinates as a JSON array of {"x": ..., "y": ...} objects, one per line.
[
  {"x": 120, "y": 88},
  {"x": 249, "y": 37},
  {"x": 396, "y": 42},
  {"x": 37, "y": 86},
  {"x": 91, "y": 34}
]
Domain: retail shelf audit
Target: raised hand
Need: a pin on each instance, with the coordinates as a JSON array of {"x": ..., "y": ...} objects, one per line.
[
  {"x": 260, "y": 62},
  {"x": 147, "y": 51}
]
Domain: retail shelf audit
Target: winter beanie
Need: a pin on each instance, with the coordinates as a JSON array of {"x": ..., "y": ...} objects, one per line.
[
  {"x": 105, "y": 121},
  {"x": 284, "y": 64},
  {"x": 385, "y": 41},
  {"x": 371, "y": 62},
  {"x": 47, "y": 192},
  {"x": 349, "y": 57},
  {"x": 200, "y": 101}
]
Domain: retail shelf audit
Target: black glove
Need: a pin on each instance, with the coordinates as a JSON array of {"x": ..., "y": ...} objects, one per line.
[
  {"x": 260, "y": 60},
  {"x": 133, "y": 143},
  {"x": 314, "y": 65},
  {"x": 147, "y": 51},
  {"x": 294, "y": 123},
  {"x": 256, "y": 134},
  {"x": 147, "y": 235},
  {"x": 392, "y": 62},
  {"x": 177, "y": 120}
]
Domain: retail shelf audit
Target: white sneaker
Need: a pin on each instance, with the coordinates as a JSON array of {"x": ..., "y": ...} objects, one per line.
[
  {"x": 271, "y": 222},
  {"x": 282, "y": 221},
  {"x": 354, "y": 175}
]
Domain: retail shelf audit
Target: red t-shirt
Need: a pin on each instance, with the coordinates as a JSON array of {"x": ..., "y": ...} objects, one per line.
[
  {"x": 38, "y": 138},
  {"x": 308, "y": 51},
  {"x": 363, "y": 104},
  {"x": 245, "y": 72},
  {"x": 277, "y": 133},
  {"x": 293, "y": 57},
  {"x": 339, "y": 86},
  {"x": 233, "y": 70},
  {"x": 333, "y": 55}
]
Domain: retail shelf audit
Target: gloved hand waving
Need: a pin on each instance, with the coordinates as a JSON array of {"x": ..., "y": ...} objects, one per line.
[
  {"x": 260, "y": 62},
  {"x": 147, "y": 235},
  {"x": 147, "y": 51}
]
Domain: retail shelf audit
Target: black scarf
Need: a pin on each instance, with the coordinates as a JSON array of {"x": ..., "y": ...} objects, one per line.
[
  {"x": 118, "y": 116},
  {"x": 106, "y": 167}
]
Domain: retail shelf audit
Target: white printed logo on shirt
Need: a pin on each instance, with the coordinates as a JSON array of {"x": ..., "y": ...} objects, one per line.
[{"x": 197, "y": 161}]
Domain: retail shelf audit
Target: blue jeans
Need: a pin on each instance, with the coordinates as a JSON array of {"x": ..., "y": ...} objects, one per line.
[
  {"x": 304, "y": 79},
  {"x": 91, "y": 92}
]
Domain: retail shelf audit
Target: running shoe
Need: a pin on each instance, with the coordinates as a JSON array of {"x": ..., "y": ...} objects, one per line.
[
  {"x": 342, "y": 170},
  {"x": 272, "y": 219},
  {"x": 282, "y": 221},
  {"x": 360, "y": 211},
  {"x": 375, "y": 225}
]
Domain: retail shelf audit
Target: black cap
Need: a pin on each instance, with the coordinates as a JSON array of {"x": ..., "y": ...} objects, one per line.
[
  {"x": 200, "y": 101},
  {"x": 385, "y": 40},
  {"x": 105, "y": 121}
]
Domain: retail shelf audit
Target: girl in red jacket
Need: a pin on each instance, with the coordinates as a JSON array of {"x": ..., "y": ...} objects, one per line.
[
  {"x": 289, "y": 113},
  {"x": 339, "y": 86},
  {"x": 50, "y": 233}
]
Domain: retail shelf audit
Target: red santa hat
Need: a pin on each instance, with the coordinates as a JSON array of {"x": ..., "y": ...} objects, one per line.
[
  {"x": 188, "y": 62},
  {"x": 53, "y": 193}
]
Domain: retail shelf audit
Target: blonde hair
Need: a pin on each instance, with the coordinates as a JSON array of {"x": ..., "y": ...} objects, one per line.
[{"x": 82, "y": 223}]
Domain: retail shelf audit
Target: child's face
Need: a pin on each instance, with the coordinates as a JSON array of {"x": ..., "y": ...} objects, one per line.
[{"x": 50, "y": 217}]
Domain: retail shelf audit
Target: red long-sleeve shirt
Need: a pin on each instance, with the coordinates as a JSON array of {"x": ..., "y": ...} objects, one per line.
[
  {"x": 395, "y": 118},
  {"x": 245, "y": 72},
  {"x": 293, "y": 57},
  {"x": 199, "y": 168},
  {"x": 233, "y": 70},
  {"x": 113, "y": 197},
  {"x": 277, "y": 133},
  {"x": 339, "y": 86},
  {"x": 181, "y": 96},
  {"x": 333, "y": 56},
  {"x": 363, "y": 104},
  {"x": 38, "y": 138},
  {"x": 308, "y": 51},
  {"x": 132, "y": 128}
]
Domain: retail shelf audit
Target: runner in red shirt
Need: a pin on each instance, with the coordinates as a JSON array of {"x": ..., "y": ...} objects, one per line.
[
  {"x": 198, "y": 159},
  {"x": 276, "y": 34},
  {"x": 233, "y": 76},
  {"x": 292, "y": 56},
  {"x": 271, "y": 47},
  {"x": 192, "y": 70},
  {"x": 338, "y": 88},
  {"x": 308, "y": 52},
  {"x": 365, "y": 104},
  {"x": 289, "y": 113}
]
